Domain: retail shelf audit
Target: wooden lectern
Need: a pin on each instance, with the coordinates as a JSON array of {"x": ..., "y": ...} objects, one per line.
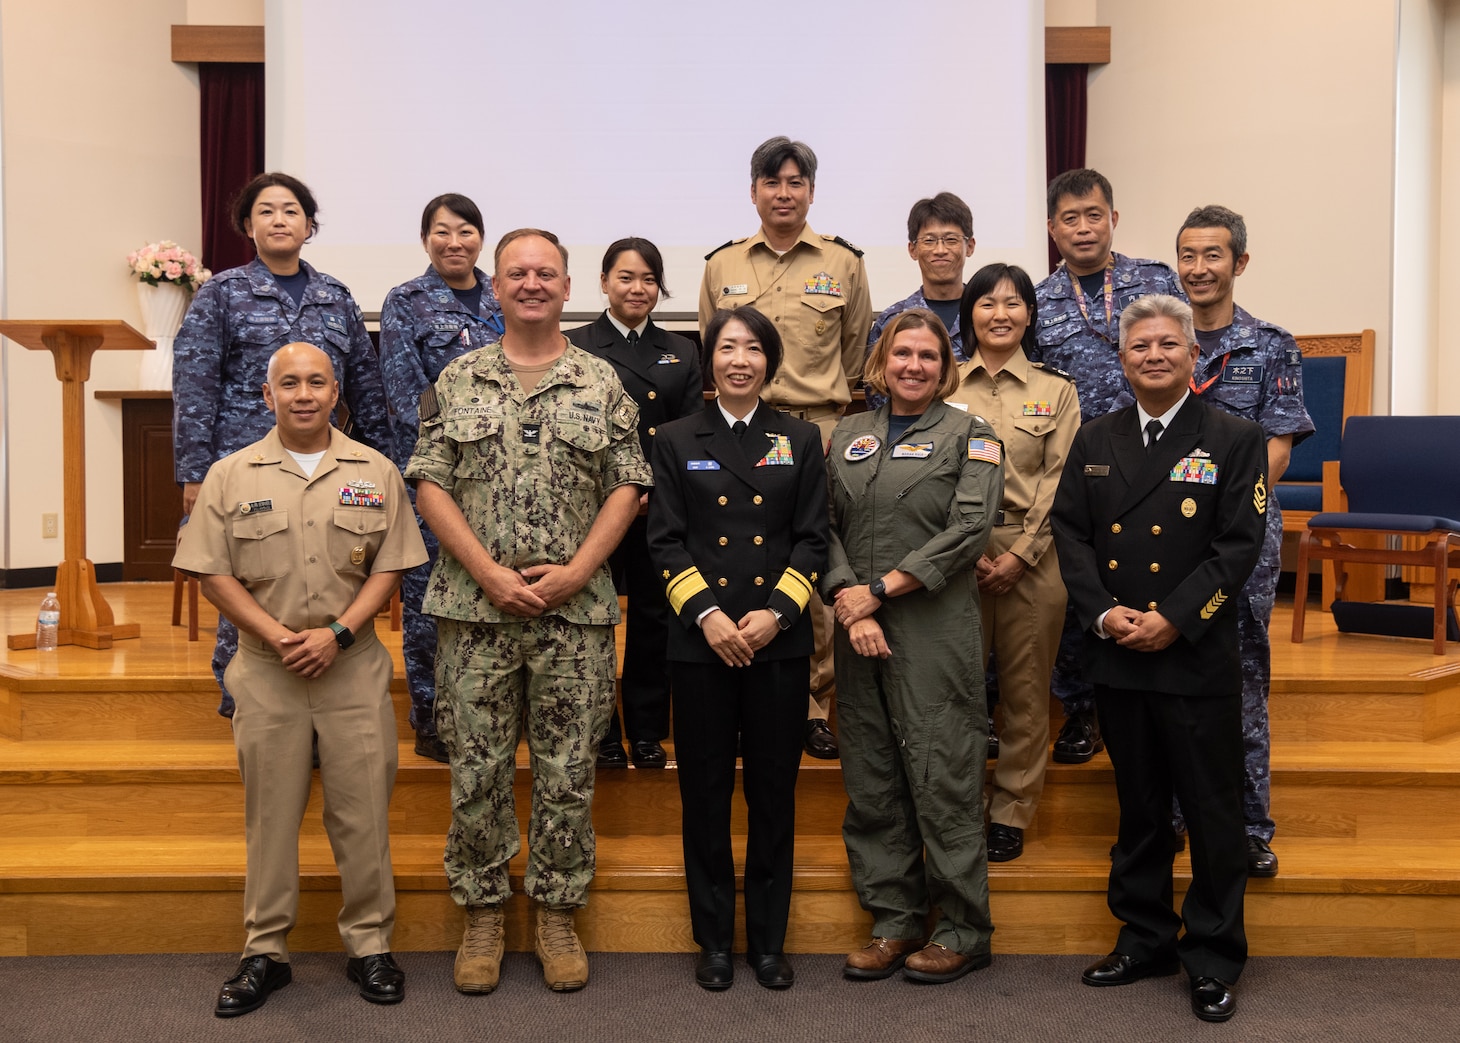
[{"x": 86, "y": 618}]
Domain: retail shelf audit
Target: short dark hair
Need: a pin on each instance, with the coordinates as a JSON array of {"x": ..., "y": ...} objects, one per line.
[
  {"x": 244, "y": 201},
  {"x": 983, "y": 283},
  {"x": 645, "y": 249},
  {"x": 527, "y": 233},
  {"x": 458, "y": 204},
  {"x": 944, "y": 208},
  {"x": 772, "y": 154},
  {"x": 760, "y": 327},
  {"x": 1079, "y": 183},
  {"x": 875, "y": 371},
  {"x": 1217, "y": 217}
]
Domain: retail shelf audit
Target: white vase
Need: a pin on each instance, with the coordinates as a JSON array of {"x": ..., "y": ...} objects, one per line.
[{"x": 163, "y": 306}]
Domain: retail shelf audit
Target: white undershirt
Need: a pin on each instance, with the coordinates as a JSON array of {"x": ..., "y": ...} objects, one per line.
[{"x": 307, "y": 461}]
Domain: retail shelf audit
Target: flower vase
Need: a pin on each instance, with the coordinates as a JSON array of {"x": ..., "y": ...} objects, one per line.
[{"x": 163, "y": 306}]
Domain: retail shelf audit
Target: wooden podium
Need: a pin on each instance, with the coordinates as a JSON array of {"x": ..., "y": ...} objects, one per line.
[{"x": 86, "y": 618}]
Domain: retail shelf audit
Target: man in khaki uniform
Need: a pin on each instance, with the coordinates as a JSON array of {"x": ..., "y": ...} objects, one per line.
[
  {"x": 300, "y": 539},
  {"x": 528, "y": 470},
  {"x": 1035, "y": 411},
  {"x": 814, "y": 288}
]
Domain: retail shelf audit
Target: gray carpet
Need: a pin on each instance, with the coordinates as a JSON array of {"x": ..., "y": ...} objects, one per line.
[{"x": 652, "y": 997}]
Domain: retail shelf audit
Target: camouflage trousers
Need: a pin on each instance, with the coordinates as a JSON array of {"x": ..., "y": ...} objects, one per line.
[
  {"x": 491, "y": 678},
  {"x": 418, "y": 639},
  {"x": 224, "y": 649}
]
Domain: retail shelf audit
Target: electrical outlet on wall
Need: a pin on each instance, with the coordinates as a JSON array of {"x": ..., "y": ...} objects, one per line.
[{"x": 49, "y": 527}]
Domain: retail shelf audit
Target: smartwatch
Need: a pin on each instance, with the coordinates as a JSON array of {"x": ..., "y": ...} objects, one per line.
[
  {"x": 878, "y": 589},
  {"x": 343, "y": 637}
]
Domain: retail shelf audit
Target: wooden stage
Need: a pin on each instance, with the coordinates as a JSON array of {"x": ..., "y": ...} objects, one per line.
[{"x": 121, "y": 816}]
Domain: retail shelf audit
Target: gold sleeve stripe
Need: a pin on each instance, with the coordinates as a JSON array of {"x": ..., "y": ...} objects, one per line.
[
  {"x": 683, "y": 587},
  {"x": 1259, "y": 495},
  {"x": 796, "y": 587},
  {"x": 1210, "y": 608}
]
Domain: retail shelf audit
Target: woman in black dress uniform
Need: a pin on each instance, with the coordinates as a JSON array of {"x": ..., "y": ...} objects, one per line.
[
  {"x": 661, "y": 372},
  {"x": 738, "y": 532}
]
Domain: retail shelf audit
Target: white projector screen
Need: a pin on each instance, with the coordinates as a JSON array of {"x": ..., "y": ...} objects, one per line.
[{"x": 599, "y": 120}]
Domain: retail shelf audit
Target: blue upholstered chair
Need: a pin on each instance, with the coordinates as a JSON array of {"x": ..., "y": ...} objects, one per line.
[{"x": 1401, "y": 477}]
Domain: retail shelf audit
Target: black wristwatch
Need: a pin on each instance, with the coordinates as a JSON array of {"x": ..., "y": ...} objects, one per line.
[
  {"x": 878, "y": 589},
  {"x": 343, "y": 637}
]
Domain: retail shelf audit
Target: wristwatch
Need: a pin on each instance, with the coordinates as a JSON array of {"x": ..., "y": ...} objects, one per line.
[
  {"x": 878, "y": 589},
  {"x": 343, "y": 637}
]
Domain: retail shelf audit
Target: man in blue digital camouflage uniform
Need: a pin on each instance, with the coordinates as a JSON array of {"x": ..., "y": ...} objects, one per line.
[
  {"x": 1079, "y": 330},
  {"x": 940, "y": 240},
  {"x": 237, "y": 320},
  {"x": 424, "y": 324},
  {"x": 1252, "y": 369}
]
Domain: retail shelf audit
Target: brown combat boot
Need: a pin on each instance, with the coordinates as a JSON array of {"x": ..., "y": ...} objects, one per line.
[
  {"x": 479, "y": 960},
  {"x": 564, "y": 963}
]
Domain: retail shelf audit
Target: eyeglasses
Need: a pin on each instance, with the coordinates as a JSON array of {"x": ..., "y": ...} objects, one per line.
[{"x": 953, "y": 242}]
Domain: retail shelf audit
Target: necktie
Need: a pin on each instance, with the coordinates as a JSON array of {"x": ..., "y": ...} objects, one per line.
[
  {"x": 633, "y": 338},
  {"x": 1153, "y": 432},
  {"x": 739, "y": 429}
]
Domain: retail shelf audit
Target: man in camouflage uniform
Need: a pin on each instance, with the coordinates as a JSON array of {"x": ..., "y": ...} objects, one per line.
[
  {"x": 236, "y": 322},
  {"x": 529, "y": 471},
  {"x": 940, "y": 240},
  {"x": 1252, "y": 369},
  {"x": 814, "y": 288},
  {"x": 423, "y": 326},
  {"x": 1080, "y": 304}
]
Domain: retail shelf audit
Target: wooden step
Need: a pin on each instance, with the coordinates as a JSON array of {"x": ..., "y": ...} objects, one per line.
[{"x": 169, "y": 894}]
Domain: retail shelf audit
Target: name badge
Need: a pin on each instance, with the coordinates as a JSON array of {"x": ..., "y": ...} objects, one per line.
[
  {"x": 912, "y": 451},
  {"x": 1097, "y": 470},
  {"x": 255, "y": 506},
  {"x": 702, "y": 465},
  {"x": 779, "y": 455},
  {"x": 735, "y": 290},
  {"x": 1248, "y": 374}
]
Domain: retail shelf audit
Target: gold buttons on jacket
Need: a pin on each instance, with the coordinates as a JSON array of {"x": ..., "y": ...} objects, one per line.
[
  {"x": 724, "y": 582},
  {"x": 760, "y": 581},
  {"x": 653, "y": 395},
  {"x": 724, "y": 540},
  {"x": 1155, "y": 566},
  {"x": 651, "y": 432},
  {"x": 1151, "y": 605},
  {"x": 1115, "y": 528},
  {"x": 723, "y": 501},
  {"x": 756, "y": 499},
  {"x": 1112, "y": 565},
  {"x": 759, "y": 540},
  {"x": 1155, "y": 530}
]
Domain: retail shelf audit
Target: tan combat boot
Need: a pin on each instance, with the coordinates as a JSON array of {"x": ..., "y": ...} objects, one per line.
[
  {"x": 564, "y": 963},
  {"x": 479, "y": 960}
]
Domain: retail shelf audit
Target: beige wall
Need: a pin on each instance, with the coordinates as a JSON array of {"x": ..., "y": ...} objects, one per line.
[
  {"x": 100, "y": 140},
  {"x": 1282, "y": 111},
  {"x": 1448, "y": 346}
]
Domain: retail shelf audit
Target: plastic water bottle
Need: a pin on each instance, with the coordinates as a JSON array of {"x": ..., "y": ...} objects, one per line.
[{"x": 48, "y": 623}]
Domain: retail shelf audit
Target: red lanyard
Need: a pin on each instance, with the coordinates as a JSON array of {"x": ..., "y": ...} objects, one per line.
[
  {"x": 1211, "y": 379},
  {"x": 1109, "y": 299}
]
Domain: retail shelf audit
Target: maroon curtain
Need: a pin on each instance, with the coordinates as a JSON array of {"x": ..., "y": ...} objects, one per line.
[
  {"x": 1064, "y": 125},
  {"x": 232, "y": 148}
]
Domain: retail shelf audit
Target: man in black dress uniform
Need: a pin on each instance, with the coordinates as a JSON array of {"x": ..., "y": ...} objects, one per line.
[{"x": 1158, "y": 521}]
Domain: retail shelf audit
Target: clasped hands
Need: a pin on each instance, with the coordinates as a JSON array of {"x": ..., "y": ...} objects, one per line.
[
  {"x": 737, "y": 643},
  {"x": 1139, "y": 631},
  {"x": 854, "y": 608},
  {"x": 530, "y": 591}
]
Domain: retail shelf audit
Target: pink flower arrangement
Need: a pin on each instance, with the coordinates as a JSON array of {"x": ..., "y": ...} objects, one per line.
[{"x": 167, "y": 262}]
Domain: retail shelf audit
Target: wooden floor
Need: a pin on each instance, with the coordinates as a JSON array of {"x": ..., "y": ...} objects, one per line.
[{"x": 121, "y": 816}]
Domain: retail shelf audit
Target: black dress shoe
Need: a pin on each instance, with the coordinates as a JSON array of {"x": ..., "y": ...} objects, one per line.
[
  {"x": 772, "y": 969},
  {"x": 714, "y": 971},
  {"x": 1079, "y": 739},
  {"x": 1120, "y": 969},
  {"x": 820, "y": 742},
  {"x": 612, "y": 755},
  {"x": 248, "y": 989},
  {"x": 1260, "y": 859},
  {"x": 993, "y": 741},
  {"x": 431, "y": 746},
  {"x": 647, "y": 753},
  {"x": 1006, "y": 843},
  {"x": 380, "y": 980},
  {"x": 1212, "y": 999}
]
